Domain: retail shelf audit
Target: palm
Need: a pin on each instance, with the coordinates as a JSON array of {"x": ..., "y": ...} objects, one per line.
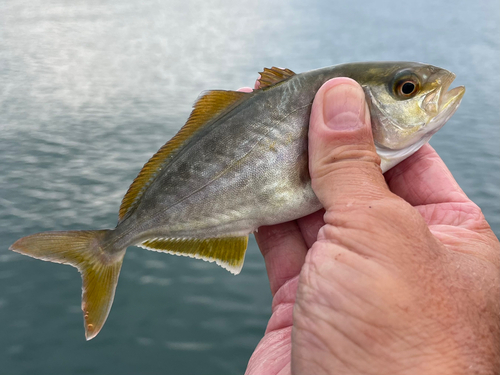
[{"x": 422, "y": 180}]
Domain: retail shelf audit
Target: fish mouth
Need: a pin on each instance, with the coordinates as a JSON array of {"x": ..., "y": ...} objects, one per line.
[
  {"x": 451, "y": 96},
  {"x": 442, "y": 103}
]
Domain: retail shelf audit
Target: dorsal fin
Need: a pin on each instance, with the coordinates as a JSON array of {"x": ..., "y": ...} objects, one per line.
[
  {"x": 208, "y": 106},
  {"x": 270, "y": 77}
]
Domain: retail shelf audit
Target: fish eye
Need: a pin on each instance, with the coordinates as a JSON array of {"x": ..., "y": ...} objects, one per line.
[{"x": 406, "y": 88}]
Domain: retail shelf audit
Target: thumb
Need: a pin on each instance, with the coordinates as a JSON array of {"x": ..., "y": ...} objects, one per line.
[{"x": 343, "y": 163}]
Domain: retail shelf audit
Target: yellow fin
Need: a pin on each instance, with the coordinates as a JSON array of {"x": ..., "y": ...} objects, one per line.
[
  {"x": 229, "y": 253},
  {"x": 208, "y": 106},
  {"x": 83, "y": 250},
  {"x": 270, "y": 77}
]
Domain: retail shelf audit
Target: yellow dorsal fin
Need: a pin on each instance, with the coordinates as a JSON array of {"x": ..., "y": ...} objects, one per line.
[
  {"x": 229, "y": 253},
  {"x": 208, "y": 106},
  {"x": 270, "y": 77}
]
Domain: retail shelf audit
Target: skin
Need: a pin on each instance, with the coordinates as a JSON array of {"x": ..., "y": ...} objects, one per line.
[{"x": 400, "y": 274}]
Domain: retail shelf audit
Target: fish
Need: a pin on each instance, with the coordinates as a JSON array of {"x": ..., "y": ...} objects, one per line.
[{"x": 240, "y": 162}]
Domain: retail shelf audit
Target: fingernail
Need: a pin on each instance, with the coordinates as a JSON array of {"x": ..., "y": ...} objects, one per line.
[{"x": 344, "y": 107}]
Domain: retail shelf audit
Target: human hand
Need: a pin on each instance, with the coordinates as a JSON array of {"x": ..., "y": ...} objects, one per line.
[{"x": 397, "y": 276}]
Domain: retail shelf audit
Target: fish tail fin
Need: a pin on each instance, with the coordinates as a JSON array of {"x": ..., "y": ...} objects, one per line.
[{"x": 84, "y": 250}]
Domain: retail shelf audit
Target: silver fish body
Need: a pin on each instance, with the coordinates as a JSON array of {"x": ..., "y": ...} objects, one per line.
[
  {"x": 244, "y": 170},
  {"x": 239, "y": 163}
]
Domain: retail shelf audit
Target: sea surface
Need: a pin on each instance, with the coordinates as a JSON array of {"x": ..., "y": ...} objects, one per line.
[{"x": 89, "y": 90}]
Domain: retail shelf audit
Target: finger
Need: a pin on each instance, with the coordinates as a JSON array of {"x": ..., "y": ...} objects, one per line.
[
  {"x": 284, "y": 251},
  {"x": 344, "y": 166},
  {"x": 284, "y": 247},
  {"x": 257, "y": 83},
  {"x": 424, "y": 179},
  {"x": 245, "y": 89},
  {"x": 310, "y": 226}
]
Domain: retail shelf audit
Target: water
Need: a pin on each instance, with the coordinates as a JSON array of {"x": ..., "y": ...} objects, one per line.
[{"x": 89, "y": 90}]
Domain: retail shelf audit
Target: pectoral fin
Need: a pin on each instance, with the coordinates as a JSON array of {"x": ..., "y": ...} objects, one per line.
[{"x": 229, "y": 253}]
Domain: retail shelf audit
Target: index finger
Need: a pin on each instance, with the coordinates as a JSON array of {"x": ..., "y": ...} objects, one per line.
[
  {"x": 424, "y": 179},
  {"x": 284, "y": 251}
]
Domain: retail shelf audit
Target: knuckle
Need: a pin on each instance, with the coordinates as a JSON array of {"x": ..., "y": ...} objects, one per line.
[{"x": 345, "y": 157}]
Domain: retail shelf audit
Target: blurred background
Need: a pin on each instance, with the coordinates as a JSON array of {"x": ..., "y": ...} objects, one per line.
[{"x": 89, "y": 90}]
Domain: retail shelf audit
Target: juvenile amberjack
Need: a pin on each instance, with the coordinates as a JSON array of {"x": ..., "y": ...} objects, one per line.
[{"x": 240, "y": 162}]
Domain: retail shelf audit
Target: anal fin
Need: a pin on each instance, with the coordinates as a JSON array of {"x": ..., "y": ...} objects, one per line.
[{"x": 229, "y": 252}]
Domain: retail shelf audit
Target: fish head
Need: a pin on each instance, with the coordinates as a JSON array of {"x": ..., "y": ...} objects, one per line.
[{"x": 409, "y": 102}]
